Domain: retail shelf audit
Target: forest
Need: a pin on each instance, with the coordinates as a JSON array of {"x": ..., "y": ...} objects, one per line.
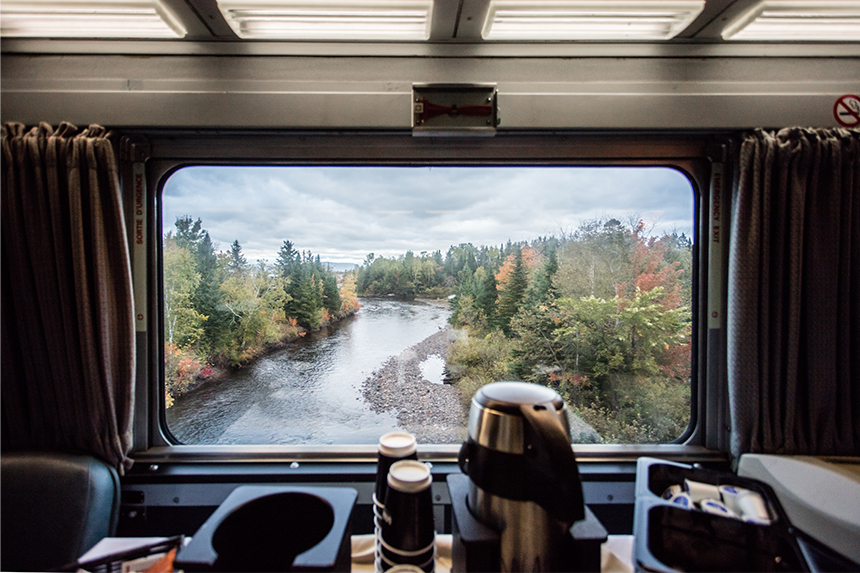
[
  {"x": 601, "y": 314},
  {"x": 221, "y": 311}
]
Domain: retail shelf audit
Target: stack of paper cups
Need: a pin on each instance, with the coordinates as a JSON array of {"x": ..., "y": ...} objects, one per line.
[
  {"x": 408, "y": 533},
  {"x": 393, "y": 447}
]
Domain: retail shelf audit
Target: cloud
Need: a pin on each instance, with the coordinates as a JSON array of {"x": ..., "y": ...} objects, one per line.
[{"x": 344, "y": 213}]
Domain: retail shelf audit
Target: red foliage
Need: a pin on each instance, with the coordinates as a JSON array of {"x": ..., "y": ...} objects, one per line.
[{"x": 653, "y": 270}]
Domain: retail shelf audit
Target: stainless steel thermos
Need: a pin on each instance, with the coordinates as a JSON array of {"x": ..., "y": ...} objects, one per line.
[{"x": 523, "y": 478}]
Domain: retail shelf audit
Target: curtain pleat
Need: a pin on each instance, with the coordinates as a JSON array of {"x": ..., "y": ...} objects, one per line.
[
  {"x": 68, "y": 331},
  {"x": 794, "y": 294}
]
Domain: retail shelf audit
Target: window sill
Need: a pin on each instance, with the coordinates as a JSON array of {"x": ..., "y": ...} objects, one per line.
[{"x": 591, "y": 453}]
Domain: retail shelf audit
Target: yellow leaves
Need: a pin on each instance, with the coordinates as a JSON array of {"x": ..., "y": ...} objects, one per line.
[{"x": 348, "y": 298}]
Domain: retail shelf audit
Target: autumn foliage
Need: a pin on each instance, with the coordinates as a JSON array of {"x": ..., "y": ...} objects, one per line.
[
  {"x": 601, "y": 315},
  {"x": 220, "y": 310}
]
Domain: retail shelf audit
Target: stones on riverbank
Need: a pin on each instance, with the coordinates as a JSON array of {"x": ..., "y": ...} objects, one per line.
[{"x": 429, "y": 410}]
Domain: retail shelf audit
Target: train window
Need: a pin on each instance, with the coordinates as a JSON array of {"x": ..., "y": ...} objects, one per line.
[{"x": 327, "y": 305}]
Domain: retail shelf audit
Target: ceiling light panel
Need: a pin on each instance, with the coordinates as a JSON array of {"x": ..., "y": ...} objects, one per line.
[
  {"x": 788, "y": 20},
  {"x": 398, "y": 20},
  {"x": 589, "y": 20},
  {"x": 88, "y": 19}
]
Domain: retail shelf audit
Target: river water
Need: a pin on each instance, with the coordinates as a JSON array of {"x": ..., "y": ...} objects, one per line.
[{"x": 310, "y": 392}]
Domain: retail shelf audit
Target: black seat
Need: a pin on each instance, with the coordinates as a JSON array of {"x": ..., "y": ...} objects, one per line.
[{"x": 55, "y": 506}]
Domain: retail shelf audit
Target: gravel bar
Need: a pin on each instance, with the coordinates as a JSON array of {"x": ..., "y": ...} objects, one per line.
[{"x": 429, "y": 410}]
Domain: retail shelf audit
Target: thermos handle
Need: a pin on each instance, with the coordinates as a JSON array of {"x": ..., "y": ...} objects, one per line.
[{"x": 554, "y": 481}]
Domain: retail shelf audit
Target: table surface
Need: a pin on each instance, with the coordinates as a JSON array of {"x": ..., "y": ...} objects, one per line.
[{"x": 616, "y": 555}]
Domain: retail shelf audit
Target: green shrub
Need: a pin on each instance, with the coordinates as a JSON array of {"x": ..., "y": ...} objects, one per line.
[
  {"x": 477, "y": 360},
  {"x": 640, "y": 410}
]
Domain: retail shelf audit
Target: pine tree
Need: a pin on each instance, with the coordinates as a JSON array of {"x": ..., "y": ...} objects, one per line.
[
  {"x": 542, "y": 290},
  {"x": 331, "y": 295},
  {"x": 208, "y": 299},
  {"x": 237, "y": 263},
  {"x": 487, "y": 295},
  {"x": 288, "y": 257},
  {"x": 188, "y": 233},
  {"x": 306, "y": 295},
  {"x": 512, "y": 297}
]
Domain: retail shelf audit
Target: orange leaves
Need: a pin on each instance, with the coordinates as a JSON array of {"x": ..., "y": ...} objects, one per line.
[
  {"x": 653, "y": 270},
  {"x": 530, "y": 260}
]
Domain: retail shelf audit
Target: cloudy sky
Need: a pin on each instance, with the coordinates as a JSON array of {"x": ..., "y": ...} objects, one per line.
[{"x": 344, "y": 213}]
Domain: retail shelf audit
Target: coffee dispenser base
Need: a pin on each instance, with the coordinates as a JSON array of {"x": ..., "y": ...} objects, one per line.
[{"x": 476, "y": 546}]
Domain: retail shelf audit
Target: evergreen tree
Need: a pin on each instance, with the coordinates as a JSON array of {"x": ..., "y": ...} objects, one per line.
[
  {"x": 331, "y": 295},
  {"x": 487, "y": 295},
  {"x": 512, "y": 297},
  {"x": 541, "y": 289},
  {"x": 188, "y": 233},
  {"x": 237, "y": 263},
  {"x": 288, "y": 257},
  {"x": 208, "y": 299},
  {"x": 306, "y": 296}
]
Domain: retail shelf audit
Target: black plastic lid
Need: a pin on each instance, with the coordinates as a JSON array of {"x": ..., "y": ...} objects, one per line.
[{"x": 508, "y": 396}]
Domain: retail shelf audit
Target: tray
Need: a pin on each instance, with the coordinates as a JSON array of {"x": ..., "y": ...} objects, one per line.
[{"x": 671, "y": 538}]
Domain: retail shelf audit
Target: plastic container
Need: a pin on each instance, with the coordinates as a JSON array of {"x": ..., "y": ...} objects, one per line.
[
  {"x": 274, "y": 528},
  {"x": 673, "y": 538}
]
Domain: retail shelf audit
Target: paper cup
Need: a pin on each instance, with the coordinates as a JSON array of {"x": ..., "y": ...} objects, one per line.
[
  {"x": 408, "y": 557},
  {"x": 393, "y": 447},
  {"x": 407, "y": 520},
  {"x": 386, "y": 564}
]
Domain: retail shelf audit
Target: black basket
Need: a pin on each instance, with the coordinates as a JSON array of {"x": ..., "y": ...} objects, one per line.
[{"x": 672, "y": 538}]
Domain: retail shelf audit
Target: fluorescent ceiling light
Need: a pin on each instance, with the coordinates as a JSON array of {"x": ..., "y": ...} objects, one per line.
[
  {"x": 786, "y": 20},
  {"x": 329, "y": 19},
  {"x": 589, "y": 20},
  {"x": 88, "y": 19}
]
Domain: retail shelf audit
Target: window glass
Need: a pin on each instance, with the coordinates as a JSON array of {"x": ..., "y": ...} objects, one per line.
[{"x": 328, "y": 305}]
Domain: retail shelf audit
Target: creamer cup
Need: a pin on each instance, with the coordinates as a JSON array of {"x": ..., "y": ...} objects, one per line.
[
  {"x": 716, "y": 508},
  {"x": 752, "y": 506},
  {"x": 672, "y": 491},
  {"x": 699, "y": 491},
  {"x": 729, "y": 495},
  {"x": 682, "y": 500}
]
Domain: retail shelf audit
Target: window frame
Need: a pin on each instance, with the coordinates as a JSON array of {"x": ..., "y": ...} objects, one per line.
[{"x": 163, "y": 152}]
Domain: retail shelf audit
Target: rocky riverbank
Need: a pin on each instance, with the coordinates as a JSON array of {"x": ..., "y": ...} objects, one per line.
[{"x": 427, "y": 409}]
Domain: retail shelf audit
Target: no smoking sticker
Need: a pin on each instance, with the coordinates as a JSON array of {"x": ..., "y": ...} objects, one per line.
[{"x": 846, "y": 110}]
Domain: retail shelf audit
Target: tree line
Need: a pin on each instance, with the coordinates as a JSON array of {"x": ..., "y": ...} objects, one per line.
[
  {"x": 602, "y": 315},
  {"x": 221, "y": 310}
]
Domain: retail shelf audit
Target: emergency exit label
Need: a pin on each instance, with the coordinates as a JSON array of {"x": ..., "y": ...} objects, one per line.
[{"x": 846, "y": 110}]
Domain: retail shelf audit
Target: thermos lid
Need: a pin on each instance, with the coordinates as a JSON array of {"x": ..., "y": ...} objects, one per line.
[
  {"x": 397, "y": 444},
  {"x": 409, "y": 476},
  {"x": 509, "y": 396}
]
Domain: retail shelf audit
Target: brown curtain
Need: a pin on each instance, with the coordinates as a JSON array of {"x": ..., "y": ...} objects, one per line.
[
  {"x": 794, "y": 294},
  {"x": 67, "y": 322}
]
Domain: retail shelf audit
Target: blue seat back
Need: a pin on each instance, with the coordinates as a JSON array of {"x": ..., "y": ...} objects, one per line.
[{"x": 55, "y": 506}]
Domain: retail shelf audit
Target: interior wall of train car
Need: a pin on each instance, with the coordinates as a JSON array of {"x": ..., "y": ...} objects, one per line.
[{"x": 207, "y": 101}]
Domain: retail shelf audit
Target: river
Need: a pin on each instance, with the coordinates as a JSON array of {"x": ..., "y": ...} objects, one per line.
[{"x": 310, "y": 392}]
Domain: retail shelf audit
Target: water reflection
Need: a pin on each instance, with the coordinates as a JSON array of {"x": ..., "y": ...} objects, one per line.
[
  {"x": 433, "y": 369},
  {"x": 310, "y": 392}
]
